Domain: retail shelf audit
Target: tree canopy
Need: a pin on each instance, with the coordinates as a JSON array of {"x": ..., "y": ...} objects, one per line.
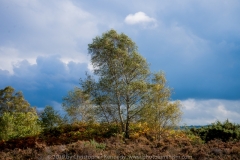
[
  {"x": 11, "y": 101},
  {"x": 17, "y": 117},
  {"x": 50, "y": 118},
  {"x": 122, "y": 73},
  {"x": 77, "y": 106},
  {"x": 123, "y": 89}
]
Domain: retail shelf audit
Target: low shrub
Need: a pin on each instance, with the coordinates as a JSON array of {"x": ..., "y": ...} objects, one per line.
[
  {"x": 138, "y": 129},
  {"x": 225, "y": 131}
]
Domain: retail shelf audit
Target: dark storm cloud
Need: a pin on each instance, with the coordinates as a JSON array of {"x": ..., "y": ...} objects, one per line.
[{"x": 44, "y": 82}]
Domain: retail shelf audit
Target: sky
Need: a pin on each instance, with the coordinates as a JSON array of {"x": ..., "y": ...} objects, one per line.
[{"x": 44, "y": 48}]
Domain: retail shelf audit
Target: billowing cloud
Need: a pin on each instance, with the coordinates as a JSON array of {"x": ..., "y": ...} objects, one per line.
[
  {"x": 35, "y": 28},
  {"x": 139, "y": 18},
  {"x": 203, "y": 112},
  {"x": 10, "y": 56},
  {"x": 45, "y": 82}
]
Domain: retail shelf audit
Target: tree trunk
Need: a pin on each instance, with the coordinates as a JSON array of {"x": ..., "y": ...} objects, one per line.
[
  {"x": 127, "y": 129},
  {"x": 128, "y": 118},
  {"x": 121, "y": 120}
]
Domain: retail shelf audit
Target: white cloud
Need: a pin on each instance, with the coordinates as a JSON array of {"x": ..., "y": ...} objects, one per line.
[
  {"x": 203, "y": 112},
  {"x": 10, "y": 57},
  {"x": 139, "y": 18},
  {"x": 44, "y": 29},
  {"x": 7, "y": 55}
]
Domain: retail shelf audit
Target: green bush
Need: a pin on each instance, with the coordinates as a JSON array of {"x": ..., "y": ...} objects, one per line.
[
  {"x": 50, "y": 118},
  {"x": 225, "y": 131},
  {"x": 18, "y": 124},
  {"x": 193, "y": 137},
  {"x": 110, "y": 130}
]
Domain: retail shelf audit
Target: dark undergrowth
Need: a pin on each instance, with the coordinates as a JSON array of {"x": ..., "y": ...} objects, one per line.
[
  {"x": 95, "y": 141},
  {"x": 113, "y": 147}
]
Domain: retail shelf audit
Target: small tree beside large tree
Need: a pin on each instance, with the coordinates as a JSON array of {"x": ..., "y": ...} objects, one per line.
[
  {"x": 125, "y": 91},
  {"x": 50, "y": 118}
]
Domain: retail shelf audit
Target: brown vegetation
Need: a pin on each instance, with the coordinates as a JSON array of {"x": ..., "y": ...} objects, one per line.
[{"x": 173, "y": 146}]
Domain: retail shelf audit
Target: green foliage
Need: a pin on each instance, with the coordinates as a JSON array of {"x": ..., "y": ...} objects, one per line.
[
  {"x": 122, "y": 75},
  {"x": 18, "y": 124},
  {"x": 225, "y": 131},
  {"x": 101, "y": 130},
  {"x": 111, "y": 130},
  {"x": 124, "y": 90},
  {"x": 82, "y": 131},
  {"x": 50, "y": 118},
  {"x": 77, "y": 106},
  {"x": 11, "y": 101},
  {"x": 193, "y": 137},
  {"x": 160, "y": 114},
  {"x": 17, "y": 118}
]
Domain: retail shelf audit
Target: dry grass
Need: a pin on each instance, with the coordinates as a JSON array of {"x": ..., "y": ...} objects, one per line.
[
  {"x": 36, "y": 149},
  {"x": 77, "y": 142}
]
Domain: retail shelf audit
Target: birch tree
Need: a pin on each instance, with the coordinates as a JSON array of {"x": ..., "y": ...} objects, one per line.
[
  {"x": 122, "y": 74},
  {"x": 160, "y": 113},
  {"x": 122, "y": 89}
]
